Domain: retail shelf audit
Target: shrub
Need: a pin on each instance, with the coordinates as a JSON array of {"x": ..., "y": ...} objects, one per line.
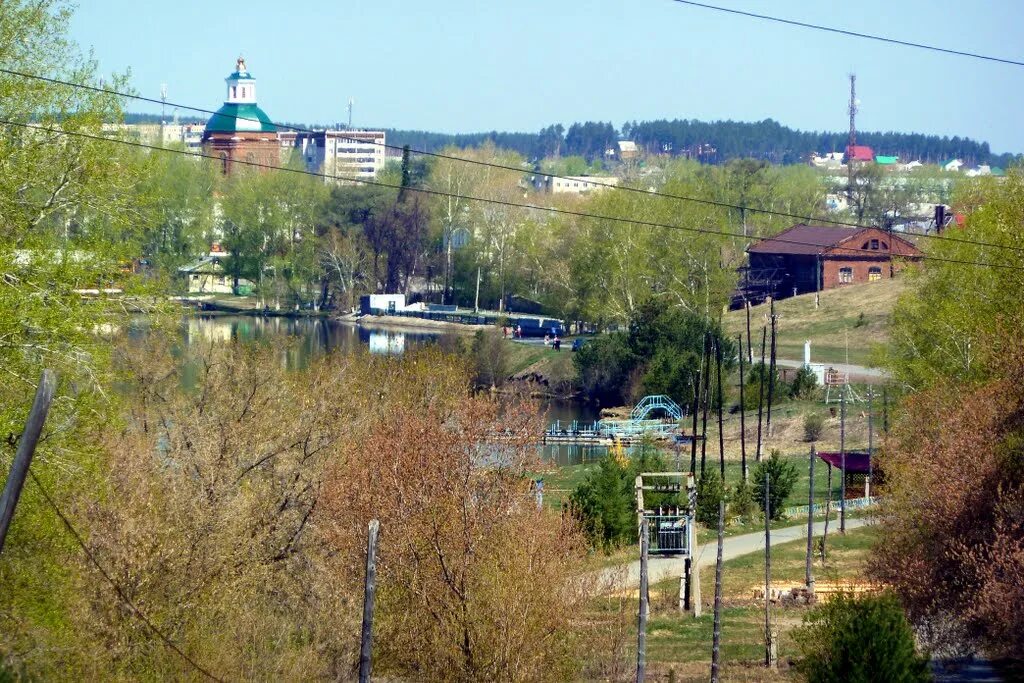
[
  {"x": 741, "y": 501},
  {"x": 490, "y": 358},
  {"x": 814, "y": 424},
  {"x": 859, "y": 639},
  {"x": 710, "y": 492},
  {"x": 804, "y": 385},
  {"x": 861, "y": 322},
  {"x": 783, "y": 477}
]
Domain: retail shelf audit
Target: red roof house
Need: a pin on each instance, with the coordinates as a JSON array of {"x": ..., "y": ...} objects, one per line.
[{"x": 861, "y": 153}]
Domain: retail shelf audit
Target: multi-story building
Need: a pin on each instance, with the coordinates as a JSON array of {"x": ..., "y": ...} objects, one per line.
[
  {"x": 340, "y": 155},
  {"x": 577, "y": 184}
]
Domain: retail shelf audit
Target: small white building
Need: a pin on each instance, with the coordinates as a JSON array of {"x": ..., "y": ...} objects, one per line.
[
  {"x": 207, "y": 275},
  {"x": 578, "y": 184}
]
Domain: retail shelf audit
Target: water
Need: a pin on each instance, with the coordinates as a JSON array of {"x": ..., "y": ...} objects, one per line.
[{"x": 313, "y": 337}]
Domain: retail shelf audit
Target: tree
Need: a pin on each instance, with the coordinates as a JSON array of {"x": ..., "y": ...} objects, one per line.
[
  {"x": 605, "y": 505},
  {"x": 710, "y": 492},
  {"x": 860, "y": 639},
  {"x": 781, "y": 476}
]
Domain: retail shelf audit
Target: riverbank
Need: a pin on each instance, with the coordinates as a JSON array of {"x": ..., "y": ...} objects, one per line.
[{"x": 403, "y": 323}]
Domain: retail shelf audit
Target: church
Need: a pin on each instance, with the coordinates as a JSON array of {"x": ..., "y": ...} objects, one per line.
[{"x": 240, "y": 134}]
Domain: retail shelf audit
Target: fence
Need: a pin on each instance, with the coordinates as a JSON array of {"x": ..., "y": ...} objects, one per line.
[{"x": 851, "y": 504}]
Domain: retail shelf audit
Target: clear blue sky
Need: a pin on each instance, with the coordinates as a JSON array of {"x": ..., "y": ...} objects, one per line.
[{"x": 473, "y": 65}]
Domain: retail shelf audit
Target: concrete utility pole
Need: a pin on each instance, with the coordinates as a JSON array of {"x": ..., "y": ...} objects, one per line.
[
  {"x": 871, "y": 441},
  {"x": 853, "y": 138},
  {"x": 26, "y": 449},
  {"x": 370, "y": 587},
  {"x": 769, "y": 640},
  {"x": 808, "y": 576},
  {"x": 641, "y": 630},
  {"x": 743, "y": 422},
  {"x": 716, "y": 638},
  {"x": 842, "y": 461}
]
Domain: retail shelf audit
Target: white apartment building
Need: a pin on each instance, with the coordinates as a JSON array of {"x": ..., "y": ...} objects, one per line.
[
  {"x": 339, "y": 154},
  {"x": 578, "y": 184}
]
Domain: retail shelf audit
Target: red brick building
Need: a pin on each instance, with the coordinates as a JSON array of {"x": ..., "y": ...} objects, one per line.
[
  {"x": 240, "y": 131},
  {"x": 809, "y": 258}
]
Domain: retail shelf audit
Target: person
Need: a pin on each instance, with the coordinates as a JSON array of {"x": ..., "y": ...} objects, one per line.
[
  {"x": 504, "y": 331},
  {"x": 547, "y": 339},
  {"x": 558, "y": 343},
  {"x": 519, "y": 331}
]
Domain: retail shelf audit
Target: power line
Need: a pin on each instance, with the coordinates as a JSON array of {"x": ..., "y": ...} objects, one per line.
[
  {"x": 486, "y": 200},
  {"x": 437, "y": 155},
  {"x": 854, "y": 34},
  {"x": 117, "y": 588}
]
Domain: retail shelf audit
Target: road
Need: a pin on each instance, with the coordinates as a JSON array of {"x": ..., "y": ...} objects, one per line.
[
  {"x": 852, "y": 370},
  {"x": 623, "y": 577}
]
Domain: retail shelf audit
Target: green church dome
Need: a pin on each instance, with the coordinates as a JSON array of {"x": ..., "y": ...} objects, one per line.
[{"x": 240, "y": 118}]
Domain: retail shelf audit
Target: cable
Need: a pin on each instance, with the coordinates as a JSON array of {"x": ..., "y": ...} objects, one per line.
[
  {"x": 437, "y": 155},
  {"x": 854, "y": 34},
  {"x": 499, "y": 202},
  {"x": 120, "y": 592}
]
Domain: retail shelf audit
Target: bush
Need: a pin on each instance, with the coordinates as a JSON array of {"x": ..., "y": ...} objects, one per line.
[
  {"x": 859, "y": 639},
  {"x": 783, "y": 477},
  {"x": 752, "y": 386},
  {"x": 490, "y": 358},
  {"x": 741, "y": 502},
  {"x": 814, "y": 424},
  {"x": 805, "y": 384},
  {"x": 710, "y": 492}
]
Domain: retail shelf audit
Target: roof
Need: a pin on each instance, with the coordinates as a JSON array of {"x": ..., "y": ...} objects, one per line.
[
  {"x": 206, "y": 264},
  {"x": 884, "y": 160},
  {"x": 860, "y": 152},
  {"x": 856, "y": 461},
  {"x": 245, "y": 118},
  {"x": 803, "y": 239}
]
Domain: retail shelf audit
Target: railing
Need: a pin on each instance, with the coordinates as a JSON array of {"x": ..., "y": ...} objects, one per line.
[
  {"x": 649, "y": 404},
  {"x": 851, "y": 504}
]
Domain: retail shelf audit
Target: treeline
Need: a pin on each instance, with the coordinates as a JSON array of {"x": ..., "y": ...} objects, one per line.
[{"x": 709, "y": 141}]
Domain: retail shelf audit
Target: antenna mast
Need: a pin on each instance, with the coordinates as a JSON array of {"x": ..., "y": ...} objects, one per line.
[
  {"x": 163, "y": 111},
  {"x": 351, "y": 102},
  {"x": 853, "y": 137}
]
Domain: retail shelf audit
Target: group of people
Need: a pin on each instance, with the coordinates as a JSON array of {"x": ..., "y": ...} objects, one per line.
[
  {"x": 517, "y": 331},
  {"x": 549, "y": 339},
  {"x": 555, "y": 342}
]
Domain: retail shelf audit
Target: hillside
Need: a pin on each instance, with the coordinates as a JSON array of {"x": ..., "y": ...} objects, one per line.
[{"x": 846, "y": 326}]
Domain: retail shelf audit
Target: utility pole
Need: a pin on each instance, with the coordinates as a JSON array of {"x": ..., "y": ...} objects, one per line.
[
  {"x": 716, "y": 638},
  {"x": 853, "y": 138},
  {"x": 706, "y": 394},
  {"x": 351, "y": 103},
  {"x": 760, "y": 396},
  {"x": 721, "y": 400},
  {"x": 743, "y": 423},
  {"x": 370, "y": 587},
  {"x": 769, "y": 640},
  {"x": 871, "y": 441},
  {"x": 476, "y": 299},
  {"x": 750, "y": 351},
  {"x": 828, "y": 512},
  {"x": 771, "y": 373},
  {"x": 641, "y": 631},
  {"x": 808, "y": 576},
  {"x": 26, "y": 449},
  {"x": 696, "y": 409},
  {"x": 842, "y": 461}
]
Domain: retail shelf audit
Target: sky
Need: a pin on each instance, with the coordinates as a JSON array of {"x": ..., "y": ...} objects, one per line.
[{"x": 476, "y": 65}]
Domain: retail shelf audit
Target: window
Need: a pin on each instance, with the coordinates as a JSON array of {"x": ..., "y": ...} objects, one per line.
[
  {"x": 874, "y": 274},
  {"x": 224, "y": 162},
  {"x": 874, "y": 244},
  {"x": 243, "y": 91},
  {"x": 234, "y": 92},
  {"x": 845, "y": 276}
]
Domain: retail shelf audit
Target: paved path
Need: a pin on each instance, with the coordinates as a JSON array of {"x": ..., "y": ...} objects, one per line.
[
  {"x": 663, "y": 568},
  {"x": 963, "y": 669},
  {"x": 853, "y": 370}
]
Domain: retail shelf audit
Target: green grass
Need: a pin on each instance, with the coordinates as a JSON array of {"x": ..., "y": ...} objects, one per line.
[{"x": 835, "y": 328}]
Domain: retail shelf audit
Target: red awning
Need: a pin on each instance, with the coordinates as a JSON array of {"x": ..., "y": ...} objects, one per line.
[{"x": 856, "y": 461}]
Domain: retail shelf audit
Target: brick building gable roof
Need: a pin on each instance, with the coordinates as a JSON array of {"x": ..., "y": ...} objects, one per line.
[{"x": 813, "y": 240}]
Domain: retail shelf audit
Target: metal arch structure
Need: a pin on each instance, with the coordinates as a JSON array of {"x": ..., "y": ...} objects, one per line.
[{"x": 648, "y": 404}]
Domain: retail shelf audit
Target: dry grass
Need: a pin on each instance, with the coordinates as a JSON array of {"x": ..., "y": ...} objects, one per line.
[{"x": 836, "y": 322}]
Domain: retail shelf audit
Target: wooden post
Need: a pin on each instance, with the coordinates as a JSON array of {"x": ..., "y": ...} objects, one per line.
[
  {"x": 769, "y": 651},
  {"x": 26, "y": 449},
  {"x": 809, "y": 577},
  {"x": 716, "y": 638},
  {"x": 760, "y": 396},
  {"x": 370, "y": 587},
  {"x": 750, "y": 351},
  {"x": 871, "y": 441},
  {"x": 743, "y": 423},
  {"x": 721, "y": 400},
  {"x": 641, "y": 631},
  {"x": 842, "y": 461}
]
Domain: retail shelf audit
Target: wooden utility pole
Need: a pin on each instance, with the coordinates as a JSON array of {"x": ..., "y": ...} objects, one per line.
[
  {"x": 641, "y": 630},
  {"x": 705, "y": 395},
  {"x": 842, "y": 461},
  {"x": 808, "y": 576},
  {"x": 743, "y": 422},
  {"x": 769, "y": 643},
  {"x": 369, "y": 589},
  {"x": 828, "y": 513},
  {"x": 750, "y": 351},
  {"x": 721, "y": 401},
  {"x": 26, "y": 449},
  {"x": 871, "y": 441},
  {"x": 771, "y": 374},
  {"x": 760, "y": 396},
  {"x": 696, "y": 409},
  {"x": 716, "y": 638}
]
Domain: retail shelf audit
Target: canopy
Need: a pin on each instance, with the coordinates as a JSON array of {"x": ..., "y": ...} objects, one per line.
[{"x": 856, "y": 461}]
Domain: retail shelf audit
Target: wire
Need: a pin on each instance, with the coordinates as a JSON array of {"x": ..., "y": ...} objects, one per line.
[
  {"x": 487, "y": 200},
  {"x": 488, "y": 164},
  {"x": 854, "y": 34},
  {"x": 117, "y": 589}
]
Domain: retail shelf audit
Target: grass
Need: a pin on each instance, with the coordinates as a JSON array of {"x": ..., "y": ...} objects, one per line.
[
  {"x": 684, "y": 644},
  {"x": 835, "y": 326}
]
